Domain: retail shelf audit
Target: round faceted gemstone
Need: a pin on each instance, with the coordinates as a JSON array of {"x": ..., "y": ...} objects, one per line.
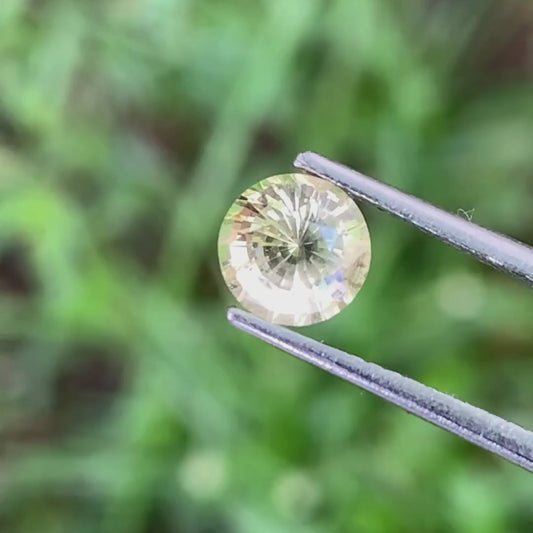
[{"x": 294, "y": 249}]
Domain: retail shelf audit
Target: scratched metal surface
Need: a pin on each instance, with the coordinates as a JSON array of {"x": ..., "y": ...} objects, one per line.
[
  {"x": 489, "y": 247},
  {"x": 479, "y": 427}
]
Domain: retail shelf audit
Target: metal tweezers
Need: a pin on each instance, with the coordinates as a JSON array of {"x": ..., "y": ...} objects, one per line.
[{"x": 484, "y": 429}]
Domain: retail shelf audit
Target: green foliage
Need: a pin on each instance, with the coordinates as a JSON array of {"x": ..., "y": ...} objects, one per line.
[{"x": 126, "y": 129}]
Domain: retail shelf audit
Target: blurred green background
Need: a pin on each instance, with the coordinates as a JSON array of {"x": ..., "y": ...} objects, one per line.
[{"x": 127, "y": 127}]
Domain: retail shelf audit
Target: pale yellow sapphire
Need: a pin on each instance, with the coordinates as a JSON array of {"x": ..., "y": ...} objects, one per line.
[{"x": 294, "y": 249}]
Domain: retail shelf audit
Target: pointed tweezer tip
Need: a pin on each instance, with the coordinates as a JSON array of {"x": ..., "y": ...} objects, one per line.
[
  {"x": 303, "y": 160},
  {"x": 233, "y": 315},
  {"x": 277, "y": 336}
]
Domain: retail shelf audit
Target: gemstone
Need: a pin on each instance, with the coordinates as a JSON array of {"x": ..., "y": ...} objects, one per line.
[{"x": 294, "y": 249}]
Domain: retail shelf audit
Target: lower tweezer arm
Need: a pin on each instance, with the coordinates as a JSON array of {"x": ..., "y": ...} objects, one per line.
[{"x": 471, "y": 423}]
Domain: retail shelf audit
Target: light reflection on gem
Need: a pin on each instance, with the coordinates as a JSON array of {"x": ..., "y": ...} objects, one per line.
[{"x": 294, "y": 249}]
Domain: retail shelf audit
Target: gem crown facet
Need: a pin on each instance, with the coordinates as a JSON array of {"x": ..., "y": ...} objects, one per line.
[{"x": 294, "y": 249}]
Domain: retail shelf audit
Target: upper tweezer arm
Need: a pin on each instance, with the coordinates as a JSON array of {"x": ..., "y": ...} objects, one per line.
[
  {"x": 471, "y": 423},
  {"x": 489, "y": 247}
]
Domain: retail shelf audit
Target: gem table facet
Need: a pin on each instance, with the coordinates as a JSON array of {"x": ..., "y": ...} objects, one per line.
[{"x": 294, "y": 249}]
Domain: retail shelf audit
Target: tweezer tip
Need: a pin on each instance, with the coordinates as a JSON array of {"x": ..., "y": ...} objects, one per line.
[
  {"x": 302, "y": 158},
  {"x": 233, "y": 314}
]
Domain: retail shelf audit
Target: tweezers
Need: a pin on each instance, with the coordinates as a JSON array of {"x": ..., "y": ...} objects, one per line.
[{"x": 473, "y": 424}]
